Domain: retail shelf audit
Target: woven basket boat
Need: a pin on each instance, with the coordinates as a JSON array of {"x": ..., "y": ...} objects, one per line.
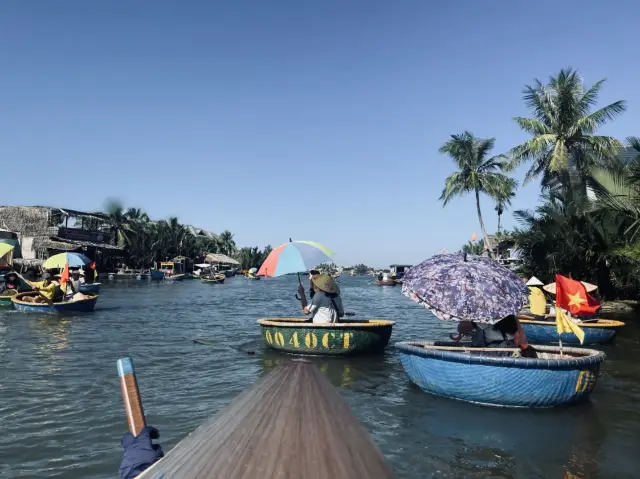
[
  {"x": 485, "y": 376},
  {"x": 301, "y": 336},
  {"x": 83, "y": 306},
  {"x": 389, "y": 282},
  {"x": 595, "y": 331},
  {"x": 5, "y": 298},
  {"x": 90, "y": 288}
]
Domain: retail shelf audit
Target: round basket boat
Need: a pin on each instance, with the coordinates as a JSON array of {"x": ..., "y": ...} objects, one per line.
[
  {"x": 595, "y": 331},
  {"x": 90, "y": 288},
  {"x": 389, "y": 282},
  {"x": 5, "y": 301},
  {"x": 301, "y": 336},
  {"x": 82, "y": 306},
  {"x": 486, "y": 376}
]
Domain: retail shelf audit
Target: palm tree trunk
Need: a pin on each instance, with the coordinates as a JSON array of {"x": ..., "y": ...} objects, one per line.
[
  {"x": 499, "y": 215},
  {"x": 484, "y": 231}
]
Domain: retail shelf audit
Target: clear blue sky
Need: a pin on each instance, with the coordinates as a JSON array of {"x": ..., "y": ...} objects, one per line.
[{"x": 315, "y": 120}]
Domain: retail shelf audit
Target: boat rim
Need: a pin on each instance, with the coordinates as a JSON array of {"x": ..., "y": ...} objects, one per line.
[
  {"x": 460, "y": 354},
  {"x": 303, "y": 323},
  {"x": 33, "y": 293},
  {"x": 600, "y": 323}
]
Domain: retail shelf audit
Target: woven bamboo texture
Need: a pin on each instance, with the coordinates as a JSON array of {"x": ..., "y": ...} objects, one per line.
[
  {"x": 546, "y": 332},
  {"x": 293, "y": 424},
  {"x": 486, "y": 377},
  {"x": 300, "y": 336}
]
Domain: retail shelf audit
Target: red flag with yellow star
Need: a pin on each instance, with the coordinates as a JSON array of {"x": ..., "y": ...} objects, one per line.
[{"x": 572, "y": 296}]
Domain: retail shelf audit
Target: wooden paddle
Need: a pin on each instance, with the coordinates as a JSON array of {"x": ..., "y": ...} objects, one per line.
[{"x": 131, "y": 396}]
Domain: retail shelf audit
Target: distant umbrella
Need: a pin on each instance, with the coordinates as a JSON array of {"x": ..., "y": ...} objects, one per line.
[
  {"x": 75, "y": 260},
  {"x": 461, "y": 287}
]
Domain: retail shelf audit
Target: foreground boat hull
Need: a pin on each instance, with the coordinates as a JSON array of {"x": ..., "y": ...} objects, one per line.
[
  {"x": 301, "y": 336},
  {"x": 546, "y": 332},
  {"x": 503, "y": 381},
  {"x": 93, "y": 288},
  {"x": 84, "y": 306}
]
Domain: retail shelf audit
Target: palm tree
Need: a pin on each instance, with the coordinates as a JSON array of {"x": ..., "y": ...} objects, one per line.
[
  {"x": 563, "y": 129},
  {"x": 227, "y": 244},
  {"x": 118, "y": 222},
  {"x": 503, "y": 201},
  {"x": 137, "y": 215},
  {"x": 477, "y": 173}
]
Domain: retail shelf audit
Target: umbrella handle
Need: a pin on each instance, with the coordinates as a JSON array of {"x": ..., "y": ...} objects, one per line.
[{"x": 298, "y": 297}]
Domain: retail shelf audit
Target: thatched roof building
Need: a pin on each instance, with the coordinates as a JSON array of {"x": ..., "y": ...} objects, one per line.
[
  {"x": 41, "y": 233},
  {"x": 220, "y": 258}
]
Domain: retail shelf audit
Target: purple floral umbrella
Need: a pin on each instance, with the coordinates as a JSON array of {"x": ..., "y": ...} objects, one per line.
[{"x": 461, "y": 287}]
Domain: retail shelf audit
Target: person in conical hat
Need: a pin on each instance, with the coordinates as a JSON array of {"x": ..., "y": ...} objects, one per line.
[
  {"x": 326, "y": 304},
  {"x": 537, "y": 299}
]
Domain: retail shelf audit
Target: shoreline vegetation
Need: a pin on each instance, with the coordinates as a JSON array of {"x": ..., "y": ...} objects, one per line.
[{"x": 587, "y": 222}]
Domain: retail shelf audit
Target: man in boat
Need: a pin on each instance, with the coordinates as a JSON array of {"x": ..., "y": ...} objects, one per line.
[
  {"x": 71, "y": 290},
  {"x": 13, "y": 284},
  {"x": 537, "y": 299},
  {"x": 326, "y": 305},
  {"x": 506, "y": 333},
  {"x": 47, "y": 289}
]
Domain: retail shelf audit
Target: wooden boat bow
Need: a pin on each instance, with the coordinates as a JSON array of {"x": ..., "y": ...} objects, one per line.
[{"x": 292, "y": 424}]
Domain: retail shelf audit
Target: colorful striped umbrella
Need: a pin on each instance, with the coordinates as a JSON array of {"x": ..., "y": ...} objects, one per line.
[{"x": 294, "y": 257}]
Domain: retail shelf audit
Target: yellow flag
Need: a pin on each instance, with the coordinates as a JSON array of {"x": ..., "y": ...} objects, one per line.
[{"x": 565, "y": 325}]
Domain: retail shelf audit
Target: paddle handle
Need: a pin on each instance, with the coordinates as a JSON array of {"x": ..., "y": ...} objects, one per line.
[{"x": 131, "y": 396}]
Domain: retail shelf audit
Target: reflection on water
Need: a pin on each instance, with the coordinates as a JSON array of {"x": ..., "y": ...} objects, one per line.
[{"x": 61, "y": 412}]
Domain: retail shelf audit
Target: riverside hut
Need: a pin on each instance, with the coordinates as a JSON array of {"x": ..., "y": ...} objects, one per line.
[{"x": 43, "y": 231}]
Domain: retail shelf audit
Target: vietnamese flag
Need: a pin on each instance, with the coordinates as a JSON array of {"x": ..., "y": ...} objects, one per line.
[
  {"x": 572, "y": 296},
  {"x": 64, "y": 277}
]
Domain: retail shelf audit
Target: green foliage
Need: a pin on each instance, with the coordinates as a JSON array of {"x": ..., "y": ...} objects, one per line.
[
  {"x": 473, "y": 247},
  {"x": 476, "y": 172},
  {"x": 563, "y": 128},
  {"x": 252, "y": 257}
]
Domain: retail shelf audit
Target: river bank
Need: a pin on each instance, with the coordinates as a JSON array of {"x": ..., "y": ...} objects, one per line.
[{"x": 62, "y": 413}]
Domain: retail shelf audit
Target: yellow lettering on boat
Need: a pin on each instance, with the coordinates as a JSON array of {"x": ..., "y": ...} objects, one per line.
[
  {"x": 279, "y": 338},
  {"x": 311, "y": 341},
  {"x": 293, "y": 340},
  {"x": 325, "y": 340},
  {"x": 267, "y": 337},
  {"x": 585, "y": 381},
  {"x": 346, "y": 339}
]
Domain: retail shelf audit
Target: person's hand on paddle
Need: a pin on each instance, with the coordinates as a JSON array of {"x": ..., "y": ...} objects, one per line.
[{"x": 139, "y": 452}]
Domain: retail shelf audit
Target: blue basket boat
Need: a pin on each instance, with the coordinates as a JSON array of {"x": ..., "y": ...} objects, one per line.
[
  {"x": 595, "y": 332},
  {"x": 484, "y": 376},
  {"x": 82, "y": 306},
  {"x": 157, "y": 275},
  {"x": 90, "y": 288}
]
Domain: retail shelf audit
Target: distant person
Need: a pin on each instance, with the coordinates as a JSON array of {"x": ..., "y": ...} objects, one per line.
[
  {"x": 506, "y": 333},
  {"x": 71, "y": 289},
  {"x": 537, "y": 299},
  {"x": 326, "y": 305},
  {"x": 13, "y": 284},
  {"x": 47, "y": 289}
]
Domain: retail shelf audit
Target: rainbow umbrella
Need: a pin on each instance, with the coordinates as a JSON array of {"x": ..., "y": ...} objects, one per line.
[
  {"x": 75, "y": 260},
  {"x": 5, "y": 248},
  {"x": 294, "y": 257}
]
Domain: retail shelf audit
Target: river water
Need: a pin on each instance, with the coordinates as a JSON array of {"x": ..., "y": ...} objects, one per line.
[{"x": 61, "y": 412}]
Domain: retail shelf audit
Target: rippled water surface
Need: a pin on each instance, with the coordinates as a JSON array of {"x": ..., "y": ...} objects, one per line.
[{"x": 61, "y": 411}]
